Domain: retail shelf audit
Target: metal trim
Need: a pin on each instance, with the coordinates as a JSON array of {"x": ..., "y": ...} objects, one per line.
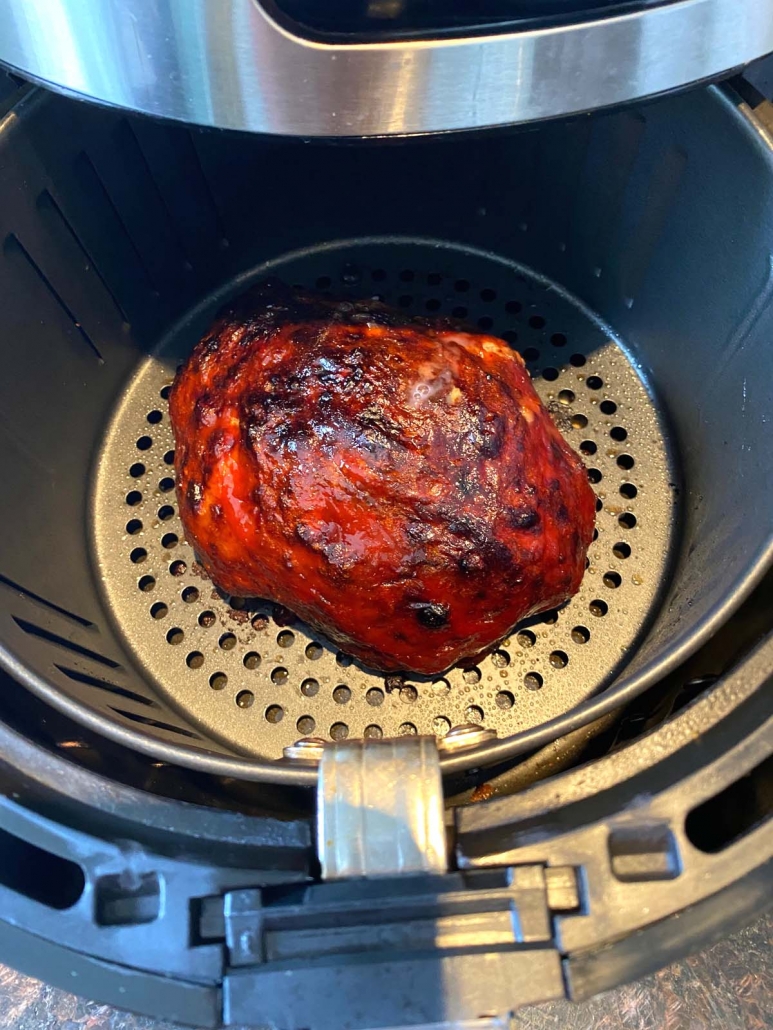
[
  {"x": 227, "y": 63},
  {"x": 380, "y": 809}
]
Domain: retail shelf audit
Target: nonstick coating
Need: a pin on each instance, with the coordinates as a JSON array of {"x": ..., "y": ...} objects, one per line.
[{"x": 624, "y": 239}]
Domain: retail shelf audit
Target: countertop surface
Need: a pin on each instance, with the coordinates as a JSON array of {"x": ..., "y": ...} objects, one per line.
[{"x": 726, "y": 987}]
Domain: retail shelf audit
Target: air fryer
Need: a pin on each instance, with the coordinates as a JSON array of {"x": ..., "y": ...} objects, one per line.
[{"x": 205, "y": 802}]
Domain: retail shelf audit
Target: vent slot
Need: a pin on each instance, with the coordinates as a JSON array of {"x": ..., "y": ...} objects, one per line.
[
  {"x": 39, "y": 875},
  {"x": 9, "y": 583},
  {"x": 12, "y": 243},
  {"x": 168, "y": 727},
  {"x": 48, "y": 205},
  {"x": 92, "y": 681},
  {"x": 68, "y": 645},
  {"x": 737, "y": 810}
]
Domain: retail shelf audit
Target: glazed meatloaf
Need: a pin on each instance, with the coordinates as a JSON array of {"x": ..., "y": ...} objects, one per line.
[{"x": 397, "y": 483}]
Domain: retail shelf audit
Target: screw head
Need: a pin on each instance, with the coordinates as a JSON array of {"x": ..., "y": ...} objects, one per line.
[
  {"x": 468, "y": 735},
  {"x": 307, "y": 749}
]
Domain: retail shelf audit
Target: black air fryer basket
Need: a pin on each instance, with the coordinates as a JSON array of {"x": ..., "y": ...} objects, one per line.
[{"x": 627, "y": 257}]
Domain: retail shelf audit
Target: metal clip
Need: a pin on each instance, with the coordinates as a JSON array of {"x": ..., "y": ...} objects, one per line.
[{"x": 380, "y": 808}]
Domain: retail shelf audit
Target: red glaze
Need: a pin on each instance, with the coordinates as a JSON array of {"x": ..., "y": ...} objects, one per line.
[{"x": 396, "y": 483}]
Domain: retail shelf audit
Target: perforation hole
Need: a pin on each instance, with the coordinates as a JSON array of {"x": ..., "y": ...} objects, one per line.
[
  {"x": 165, "y": 512},
  {"x": 566, "y": 396},
  {"x": 251, "y": 660},
  {"x": 579, "y": 421},
  {"x": 607, "y": 407},
  {"x": 169, "y": 540},
  {"x": 310, "y": 687},
  {"x": 159, "y": 610},
  {"x": 513, "y": 307},
  {"x": 500, "y": 659},
  {"x": 594, "y": 475},
  {"x": 550, "y": 374},
  {"x": 621, "y": 550},
  {"x": 558, "y": 340},
  {"x": 136, "y": 470},
  {"x": 133, "y": 526},
  {"x": 588, "y": 447},
  {"x": 178, "y": 568},
  {"x": 245, "y": 699},
  {"x": 169, "y": 458},
  {"x": 612, "y": 580},
  {"x": 375, "y": 697},
  {"x": 577, "y": 360},
  {"x": 218, "y": 680},
  {"x": 339, "y": 731},
  {"x": 530, "y": 354},
  {"x": 474, "y": 713},
  {"x": 279, "y": 676},
  {"x": 580, "y": 635},
  {"x": 558, "y": 659},
  {"x": 154, "y": 417},
  {"x": 274, "y": 714},
  {"x": 594, "y": 382},
  {"x": 505, "y": 699},
  {"x": 598, "y": 608},
  {"x": 207, "y": 619},
  {"x": 227, "y": 642},
  {"x": 314, "y": 651},
  {"x": 533, "y": 681},
  {"x": 286, "y": 638},
  {"x": 138, "y": 555},
  {"x": 166, "y": 484},
  {"x": 165, "y": 391},
  {"x": 485, "y": 323},
  {"x": 628, "y": 490},
  {"x": 406, "y": 276},
  {"x": 175, "y": 636},
  {"x": 526, "y": 638},
  {"x": 342, "y": 695},
  {"x": 625, "y": 461},
  {"x": 306, "y": 725},
  {"x": 537, "y": 322},
  {"x": 190, "y": 594},
  {"x": 618, "y": 433},
  {"x": 194, "y": 660},
  {"x": 133, "y": 498},
  {"x": 627, "y": 520},
  {"x": 144, "y": 443},
  {"x": 461, "y": 286},
  {"x": 146, "y": 583},
  {"x": 471, "y": 676},
  {"x": 406, "y": 729}
]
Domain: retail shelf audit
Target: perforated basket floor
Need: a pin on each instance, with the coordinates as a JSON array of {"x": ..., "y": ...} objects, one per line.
[{"x": 252, "y": 676}]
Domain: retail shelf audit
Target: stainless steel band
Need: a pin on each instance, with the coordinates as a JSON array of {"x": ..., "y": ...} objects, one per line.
[
  {"x": 380, "y": 809},
  {"x": 228, "y": 63}
]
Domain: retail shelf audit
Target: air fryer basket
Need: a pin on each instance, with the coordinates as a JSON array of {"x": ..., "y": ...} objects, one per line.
[{"x": 627, "y": 255}]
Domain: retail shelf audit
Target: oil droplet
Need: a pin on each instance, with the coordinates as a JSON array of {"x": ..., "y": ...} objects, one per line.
[{"x": 636, "y": 579}]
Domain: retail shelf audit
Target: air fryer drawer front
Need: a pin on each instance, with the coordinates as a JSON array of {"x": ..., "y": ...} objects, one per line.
[{"x": 229, "y": 63}]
